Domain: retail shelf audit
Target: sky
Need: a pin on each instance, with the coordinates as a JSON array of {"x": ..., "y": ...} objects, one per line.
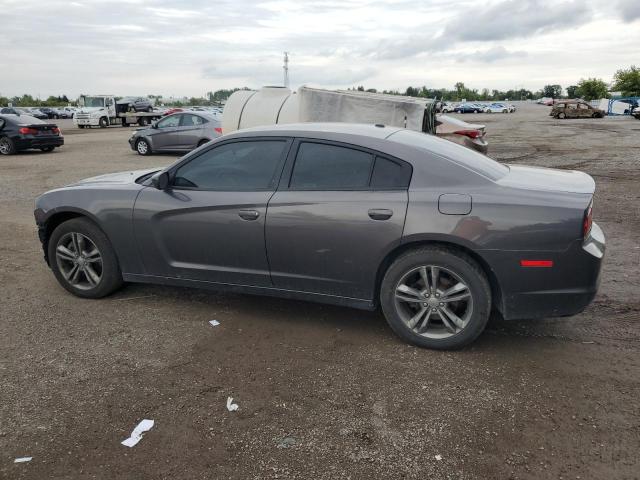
[{"x": 189, "y": 47}]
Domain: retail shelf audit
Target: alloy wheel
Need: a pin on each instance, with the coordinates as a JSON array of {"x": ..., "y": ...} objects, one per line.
[
  {"x": 79, "y": 261},
  {"x": 5, "y": 146},
  {"x": 143, "y": 148},
  {"x": 433, "y": 302}
]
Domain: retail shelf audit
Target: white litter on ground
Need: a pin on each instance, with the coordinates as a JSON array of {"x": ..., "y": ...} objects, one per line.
[
  {"x": 144, "y": 426},
  {"x": 438, "y": 457},
  {"x": 214, "y": 323},
  {"x": 232, "y": 407},
  {"x": 22, "y": 459}
]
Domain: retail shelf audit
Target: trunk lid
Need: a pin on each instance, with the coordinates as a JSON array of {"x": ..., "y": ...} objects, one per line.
[{"x": 548, "y": 179}]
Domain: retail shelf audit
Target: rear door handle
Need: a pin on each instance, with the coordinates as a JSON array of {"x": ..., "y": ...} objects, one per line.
[
  {"x": 249, "y": 214},
  {"x": 380, "y": 213}
]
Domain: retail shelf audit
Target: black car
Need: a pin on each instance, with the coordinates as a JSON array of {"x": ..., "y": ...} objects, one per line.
[
  {"x": 22, "y": 132},
  {"x": 49, "y": 112},
  {"x": 13, "y": 111},
  {"x": 37, "y": 113}
]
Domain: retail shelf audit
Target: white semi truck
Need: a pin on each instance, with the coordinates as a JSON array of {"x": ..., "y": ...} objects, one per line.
[{"x": 102, "y": 111}]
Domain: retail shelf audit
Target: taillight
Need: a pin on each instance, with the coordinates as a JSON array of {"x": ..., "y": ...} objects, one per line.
[
  {"x": 218, "y": 130},
  {"x": 469, "y": 133},
  {"x": 56, "y": 130},
  {"x": 587, "y": 222},
  {"x": 28, "y": 131}
]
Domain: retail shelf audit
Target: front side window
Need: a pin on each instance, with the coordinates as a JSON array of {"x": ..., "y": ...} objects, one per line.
[
  {"x": 172, "y": 121},
  {"x": 320, "y": 166},
  {"x": 247, "y": 166}
]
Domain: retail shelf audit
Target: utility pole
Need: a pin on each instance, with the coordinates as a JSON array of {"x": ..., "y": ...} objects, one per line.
[{"x": 286, "y": 69}]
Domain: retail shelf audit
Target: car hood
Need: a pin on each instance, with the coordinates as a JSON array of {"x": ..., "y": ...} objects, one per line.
[
  {"x": 548, "y": 179},
  {"x": 120, "y": 178},
  {"x": 90, "y": 109}
]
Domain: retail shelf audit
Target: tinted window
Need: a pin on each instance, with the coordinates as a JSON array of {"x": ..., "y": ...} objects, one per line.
[
  {"x": 474, "y": 161},
  {"x": 172, "y": 121},
  {"x": 327, "y": 167},
  {"x": 234, "y": 166},
  {"x": 388, "y": 174}
]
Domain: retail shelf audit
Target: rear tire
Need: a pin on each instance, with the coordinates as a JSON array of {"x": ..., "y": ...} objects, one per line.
[
  {"x": 75, "y": 240},
  {"x": 80, "y": 126},
  {"x": 143, "y": 121},
  {"x": 202, "y": 142},
  {"x": 455, "y": 270},
  {"x": 103, "y": 122},
  {"x": 143, "y": 147},
  {"x": 561, "y": 115},
  {"x": 7, "y": 146}
]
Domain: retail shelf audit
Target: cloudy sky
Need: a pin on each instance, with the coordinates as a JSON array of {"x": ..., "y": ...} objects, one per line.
[{"x": 189, "y": 47}]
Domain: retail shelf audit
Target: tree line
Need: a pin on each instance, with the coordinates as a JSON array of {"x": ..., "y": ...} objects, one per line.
[{"x": 626, "y": 81}]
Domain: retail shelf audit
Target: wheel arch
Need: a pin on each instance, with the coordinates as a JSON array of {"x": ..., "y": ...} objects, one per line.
[
  {"x": 496, "y": 289},
  {"x": 58, "y": 217}
]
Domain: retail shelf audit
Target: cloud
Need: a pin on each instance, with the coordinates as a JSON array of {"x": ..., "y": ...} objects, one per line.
[
  {"x": 518, "y": 19},
  {"x": 629, "y": 10},
  {"x": 490, "y": 55}
]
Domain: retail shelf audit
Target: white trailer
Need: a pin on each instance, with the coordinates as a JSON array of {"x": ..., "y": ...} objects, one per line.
[
  {"x": 102, "y": 111},
  {"x": 275, "y": 105}
]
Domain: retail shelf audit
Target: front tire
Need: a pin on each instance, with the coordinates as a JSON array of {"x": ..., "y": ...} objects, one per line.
[
  {"x": 103, "y": 122},
  {"x": 436, "y": 297},
  {"x": 83, "y": 260},
  {"x": 561, "y": 115},
  {"x": 7, "y": 146},
  {"x": 143, "y": 147}
]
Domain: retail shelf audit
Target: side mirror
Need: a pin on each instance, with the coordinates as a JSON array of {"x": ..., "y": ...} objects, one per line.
[{"x": 160, "y": 180}]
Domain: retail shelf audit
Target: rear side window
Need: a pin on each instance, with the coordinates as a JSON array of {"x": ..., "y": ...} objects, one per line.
[
  {"x": 390, "y": 175},
  {"x": 234, "y": 166},
  {"x": 189, "y": 120},
  {"x": 320, "y": 166}
]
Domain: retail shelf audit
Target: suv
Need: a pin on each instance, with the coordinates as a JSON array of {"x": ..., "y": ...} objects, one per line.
[
  {"x": 575, "y": 109},
  {"x": 136, "y": 104}
]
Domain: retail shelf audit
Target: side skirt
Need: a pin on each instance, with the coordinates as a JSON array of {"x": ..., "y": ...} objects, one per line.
[{"x": 358, "y": 303}]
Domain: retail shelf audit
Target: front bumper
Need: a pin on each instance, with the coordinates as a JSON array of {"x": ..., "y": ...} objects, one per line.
[{"x": 565, "y": 289}]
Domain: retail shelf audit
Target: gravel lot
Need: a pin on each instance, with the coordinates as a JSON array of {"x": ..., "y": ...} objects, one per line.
[{"x": 324, "y": 392}]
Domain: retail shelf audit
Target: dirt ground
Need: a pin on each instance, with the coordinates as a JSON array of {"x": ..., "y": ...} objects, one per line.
[{"x": 324, "y": 392}]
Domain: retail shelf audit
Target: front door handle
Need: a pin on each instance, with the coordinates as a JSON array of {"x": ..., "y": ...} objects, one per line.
[
  {"x": 380, "y": 213},
  {"x": 249, "y": 214}
]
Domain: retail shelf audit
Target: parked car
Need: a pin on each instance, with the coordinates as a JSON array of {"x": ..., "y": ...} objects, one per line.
[
  {"x": 13, "y": 111},
  {"x": 173, "y": 110},
  {"x": 468, "y": 108},
  {"x": 496, "y": 108},
  {"x": 469, "y": 135},
  {"x": 179, "y": 132},
  {"x": 49, "y": 112},
  {"x": 134, "y": 104},
  {"x": 37, "y": 113},
  {"x": 575, "y": 109},
  {"x": 355, "y": 215},
  {"x": 23, "y": 132},
  {"x": 448, "y": 107},
  {"x": 636, "y": 113}
]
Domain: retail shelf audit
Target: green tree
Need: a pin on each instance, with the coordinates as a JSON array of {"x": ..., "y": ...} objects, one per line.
[
  {"x": 572, "y": 91},
  {"x": 627, "y": 81},
  {"x": 553, "y": 91},
  {"x": 592, "y": 89}
]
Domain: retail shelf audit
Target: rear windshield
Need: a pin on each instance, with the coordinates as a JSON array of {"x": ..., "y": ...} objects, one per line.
[{"x": 456, "y": 153}]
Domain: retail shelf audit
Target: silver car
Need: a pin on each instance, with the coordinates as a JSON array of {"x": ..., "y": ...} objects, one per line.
[{"x": 180, "y": 132}]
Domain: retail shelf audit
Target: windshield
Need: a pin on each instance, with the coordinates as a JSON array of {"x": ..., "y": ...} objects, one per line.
[{"x": 93, "y": 102}]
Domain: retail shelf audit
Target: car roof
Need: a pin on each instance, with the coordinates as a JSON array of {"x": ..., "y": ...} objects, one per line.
[{"x": 300, "y": 129}]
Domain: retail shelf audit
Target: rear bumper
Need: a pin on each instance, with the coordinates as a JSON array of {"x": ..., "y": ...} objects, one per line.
[
  {"x": 39, "y": 142},
  {"x": 565, "y": 289}
]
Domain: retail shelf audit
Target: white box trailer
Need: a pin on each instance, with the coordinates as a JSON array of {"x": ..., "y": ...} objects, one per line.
[{"x": 277, "y": 105}]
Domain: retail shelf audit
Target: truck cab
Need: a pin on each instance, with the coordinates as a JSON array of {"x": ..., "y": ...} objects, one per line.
[{"x": 95, "y": 110}]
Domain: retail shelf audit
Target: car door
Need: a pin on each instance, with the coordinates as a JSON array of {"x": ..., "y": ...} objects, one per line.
[
  {"x": 338, "y": 211},
  {"x": 584, "y": 110},
  {"x": 166, "y": 135},
  {"x": 209, "y": 225},
  {"x": 191, "y": 128}
]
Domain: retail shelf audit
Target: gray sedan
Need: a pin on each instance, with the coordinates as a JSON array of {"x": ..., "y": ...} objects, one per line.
[
  {"x": 180, "y": 132},
  {"x": 435, "y": 234}
]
